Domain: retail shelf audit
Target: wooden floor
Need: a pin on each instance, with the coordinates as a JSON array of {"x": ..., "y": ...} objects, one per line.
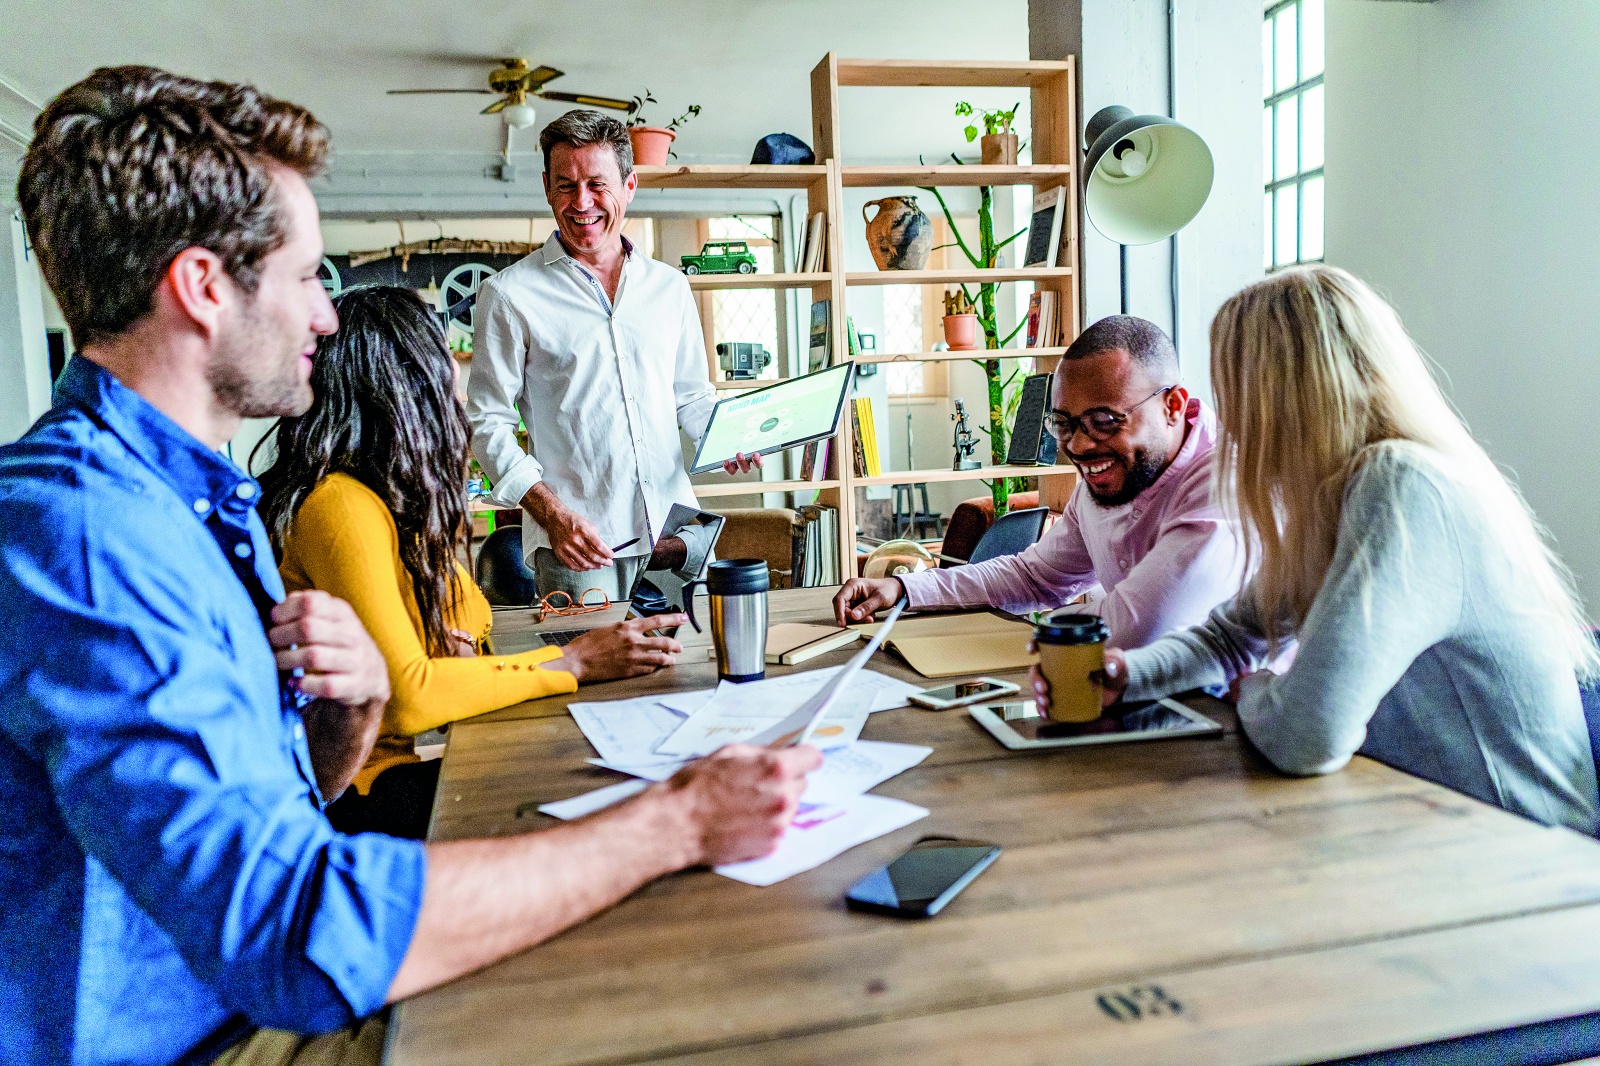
[{"x": 1176, "y": 902}]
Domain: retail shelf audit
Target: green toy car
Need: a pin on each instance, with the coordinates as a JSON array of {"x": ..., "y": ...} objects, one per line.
[{"x": 721, "y": 257}]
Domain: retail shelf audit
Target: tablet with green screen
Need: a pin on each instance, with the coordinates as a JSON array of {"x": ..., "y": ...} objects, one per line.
[{"x": 785, "y": 415}]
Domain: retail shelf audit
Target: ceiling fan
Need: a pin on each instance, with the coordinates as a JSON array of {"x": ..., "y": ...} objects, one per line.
[{"x": 514, "y": 81}]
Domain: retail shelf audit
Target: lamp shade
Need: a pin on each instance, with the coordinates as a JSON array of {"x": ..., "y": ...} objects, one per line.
[
  {"x": 518, "y": 116},
  {"x": 1147, "y": 176}
]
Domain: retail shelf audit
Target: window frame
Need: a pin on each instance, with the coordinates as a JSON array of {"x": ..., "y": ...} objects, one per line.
[{"x": 1301, "y": 176}]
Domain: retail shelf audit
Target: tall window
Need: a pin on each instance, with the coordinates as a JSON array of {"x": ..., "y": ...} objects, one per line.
[{"x": 1291, "y": 128}]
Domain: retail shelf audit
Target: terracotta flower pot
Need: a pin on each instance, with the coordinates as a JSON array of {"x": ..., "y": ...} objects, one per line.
[
  {"x": 961, "y": 332},
  {"x": 650, "y": 145},
  {"x": 999, "y": 149},
  {"x": 900, "y": 235}
]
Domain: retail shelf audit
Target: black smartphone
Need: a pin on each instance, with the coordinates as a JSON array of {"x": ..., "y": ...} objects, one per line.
[{"x": 919, "y": 883}]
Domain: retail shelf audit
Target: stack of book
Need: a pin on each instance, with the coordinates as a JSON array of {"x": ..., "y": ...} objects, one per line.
[
  {"x": 1044, "y": 319},
  {"x": 820, "y": 353},
  {"x": 814, "y": 460},
  {"x": 816, "y": 556},
  {"x": 868, "y": 460},
  {"x": 814, "y": 249}
]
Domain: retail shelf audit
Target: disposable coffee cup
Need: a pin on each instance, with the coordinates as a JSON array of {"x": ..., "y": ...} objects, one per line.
[{"x": 1072, "y": 647}]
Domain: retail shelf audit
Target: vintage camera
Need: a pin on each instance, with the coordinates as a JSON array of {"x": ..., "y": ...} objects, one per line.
[{"x": 741, "y": 361}]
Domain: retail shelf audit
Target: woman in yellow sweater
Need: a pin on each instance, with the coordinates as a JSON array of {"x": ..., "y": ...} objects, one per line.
[{"x": 365, "y": 500}]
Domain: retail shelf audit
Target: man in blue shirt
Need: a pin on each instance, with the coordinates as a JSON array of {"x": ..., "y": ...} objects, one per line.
[{"x": 170, "y": 725}]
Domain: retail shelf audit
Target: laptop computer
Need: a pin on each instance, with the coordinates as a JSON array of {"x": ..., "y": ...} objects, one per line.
[{"x": 661, "y": 591}]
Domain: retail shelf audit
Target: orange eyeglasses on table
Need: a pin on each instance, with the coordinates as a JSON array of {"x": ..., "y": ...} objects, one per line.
[{"x": 553, "y": 603}]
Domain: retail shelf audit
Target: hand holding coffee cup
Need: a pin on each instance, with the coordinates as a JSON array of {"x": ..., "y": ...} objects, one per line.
[
  {"x": 1071, "y": 676},
  {"x": 1113, "y": 683}
]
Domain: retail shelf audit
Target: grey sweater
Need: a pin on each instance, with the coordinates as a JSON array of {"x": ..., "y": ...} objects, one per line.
[{"x": 1420, "y": 650}]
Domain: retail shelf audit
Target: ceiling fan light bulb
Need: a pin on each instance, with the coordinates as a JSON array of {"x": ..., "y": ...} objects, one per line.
[{"x": 518, "y": 116}]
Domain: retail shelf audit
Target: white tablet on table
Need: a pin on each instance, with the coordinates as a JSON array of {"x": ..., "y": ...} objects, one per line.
[{"x": 785, "y": 415}]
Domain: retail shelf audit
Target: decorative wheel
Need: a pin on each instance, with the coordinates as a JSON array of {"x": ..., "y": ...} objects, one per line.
[
  {"x": 459, "y": 284},
  {"x": 691, "y": 269},
  {"x": 746, "y": 268},
  {"x": 328, "y": 274}
]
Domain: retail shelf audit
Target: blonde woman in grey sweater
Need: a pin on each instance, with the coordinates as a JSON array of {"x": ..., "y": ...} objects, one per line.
[{"x": 1437, "y": 631}]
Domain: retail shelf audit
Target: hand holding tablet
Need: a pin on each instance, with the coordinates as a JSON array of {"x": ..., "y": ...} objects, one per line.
[{"x": 785, "y": 415}]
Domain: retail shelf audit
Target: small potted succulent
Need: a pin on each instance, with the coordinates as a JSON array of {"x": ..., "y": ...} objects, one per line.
[
  {"x": 653, "y": 144},
  {"x": 960, "y": 322},
  {"x": 999, "y": 143}
]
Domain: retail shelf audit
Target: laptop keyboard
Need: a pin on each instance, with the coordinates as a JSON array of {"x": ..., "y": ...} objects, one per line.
[{"x": 562, "y": 637}]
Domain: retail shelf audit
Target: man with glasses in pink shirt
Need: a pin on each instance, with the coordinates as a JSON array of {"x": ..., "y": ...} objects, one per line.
[{"x": 1142, "y": 524}]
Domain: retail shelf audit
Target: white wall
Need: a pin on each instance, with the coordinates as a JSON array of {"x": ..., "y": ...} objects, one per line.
[
  {"x": 1463, "y": 183},
  {"x": 1123, "y": 50},
  {"x": 24, "y": 358}
]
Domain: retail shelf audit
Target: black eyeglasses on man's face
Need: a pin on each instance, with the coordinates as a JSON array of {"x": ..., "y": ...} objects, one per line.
[{"x": 1098, "y": 423}]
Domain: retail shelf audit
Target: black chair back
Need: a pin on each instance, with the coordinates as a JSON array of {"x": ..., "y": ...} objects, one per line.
[
  {"x": 505, "y": 579},
  {"x": 1013, "y": 532}
]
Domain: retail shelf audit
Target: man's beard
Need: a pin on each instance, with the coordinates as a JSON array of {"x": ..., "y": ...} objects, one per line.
[
  {"x": 1143, "y": 472},
  {"x": 255, "y": 372}
]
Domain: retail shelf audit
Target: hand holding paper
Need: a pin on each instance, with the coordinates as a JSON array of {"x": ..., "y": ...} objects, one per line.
[{"x": 798, "y": 727}]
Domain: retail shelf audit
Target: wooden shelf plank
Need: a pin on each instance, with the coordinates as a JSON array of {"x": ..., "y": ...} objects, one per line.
[
  {"x": 758, "y": 383},
  {"x": 911, "y": 72},
  {"x": 907, "y": 477},
  {"x": 951, "y": 277},
  {"x": 755, "y": 488},
  {"x": 954, "y": 174},
  {"x": 950, "y": 356},
  {"x": 699, "y": 282},
  {"x": 725, "y": 177}
]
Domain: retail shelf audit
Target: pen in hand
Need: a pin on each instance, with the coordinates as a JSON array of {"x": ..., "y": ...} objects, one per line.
[{"x": 626, "y": 544}]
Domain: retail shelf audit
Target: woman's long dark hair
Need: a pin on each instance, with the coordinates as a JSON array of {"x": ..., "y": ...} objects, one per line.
[{"x": 385, "y": 412}]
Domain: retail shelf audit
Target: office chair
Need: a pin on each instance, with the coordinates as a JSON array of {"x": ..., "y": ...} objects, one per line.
[
  {"x": 1011, "y": 533},
  {"x": 505, "y": 579}
]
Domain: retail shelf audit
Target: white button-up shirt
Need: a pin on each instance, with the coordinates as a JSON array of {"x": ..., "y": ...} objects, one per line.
[{"x": 602, "y": 385}]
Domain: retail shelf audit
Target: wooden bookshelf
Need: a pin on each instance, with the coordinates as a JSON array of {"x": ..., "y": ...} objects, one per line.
[
  {"x": 1054, "y": 143},
  {"x": 983, "y": 473},
  {"x": 729, "y": 177},
  {"x": 756, "y": 488},
  {"x": 957, "y": 354},
  {"x": 955, "y": 174},
  {"x": 701, "y": 282},
  {"x": 972, "y": 276}
]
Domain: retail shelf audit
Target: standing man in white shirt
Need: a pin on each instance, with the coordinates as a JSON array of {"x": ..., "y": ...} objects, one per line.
[{"x": 598, "y": 350}]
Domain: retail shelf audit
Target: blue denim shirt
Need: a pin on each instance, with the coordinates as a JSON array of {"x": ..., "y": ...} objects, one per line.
[{"x": 167, "y": 876}]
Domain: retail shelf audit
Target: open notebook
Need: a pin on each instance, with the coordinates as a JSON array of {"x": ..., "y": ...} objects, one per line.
[{"x": 946, "y": 645}]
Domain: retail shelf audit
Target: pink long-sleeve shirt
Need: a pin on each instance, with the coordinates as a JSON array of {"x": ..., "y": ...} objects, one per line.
[{"x": 1164, "y": 560}]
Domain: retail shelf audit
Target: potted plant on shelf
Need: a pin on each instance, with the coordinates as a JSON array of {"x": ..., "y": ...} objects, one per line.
[
  {"x": 987, "y": 256},
  {"x": 960, "y": 322},
  {"x": 653, "y": 144},
  {"x": 999, "y": 144}
]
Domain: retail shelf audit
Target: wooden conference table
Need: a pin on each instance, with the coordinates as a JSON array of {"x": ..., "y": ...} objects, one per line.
[{"x": 1174, "y": 902}]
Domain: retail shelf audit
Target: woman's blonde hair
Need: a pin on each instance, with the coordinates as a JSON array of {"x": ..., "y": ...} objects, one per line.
[{"x": 1313, "y": 373}]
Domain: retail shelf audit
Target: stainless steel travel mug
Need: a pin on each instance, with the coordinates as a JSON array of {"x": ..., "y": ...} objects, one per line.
[{"x": 738, "y": 592}]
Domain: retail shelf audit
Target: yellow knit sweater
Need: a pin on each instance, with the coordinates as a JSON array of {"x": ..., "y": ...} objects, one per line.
[{"x": 343, "y": 541}]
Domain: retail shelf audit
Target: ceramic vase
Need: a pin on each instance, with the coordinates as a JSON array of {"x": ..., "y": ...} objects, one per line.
[
  {"x": 899, "y": 234},
  {"x": 650, "y": 145},
  {"x": 961, "y": 332},
  {"x": 999, "y": 149}
]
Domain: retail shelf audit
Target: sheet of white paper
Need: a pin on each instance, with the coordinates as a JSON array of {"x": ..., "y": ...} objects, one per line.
[
  {"x": 735, "y": 716},
  {"x": 818, "y": 833},
  {"x": 626, "y": 731},
  {"x": 844, "y": 772},
  {"x": 859, "y": 768},
  {"x": 686, "y": 703},
  {"x": 589, "y": 802}
]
